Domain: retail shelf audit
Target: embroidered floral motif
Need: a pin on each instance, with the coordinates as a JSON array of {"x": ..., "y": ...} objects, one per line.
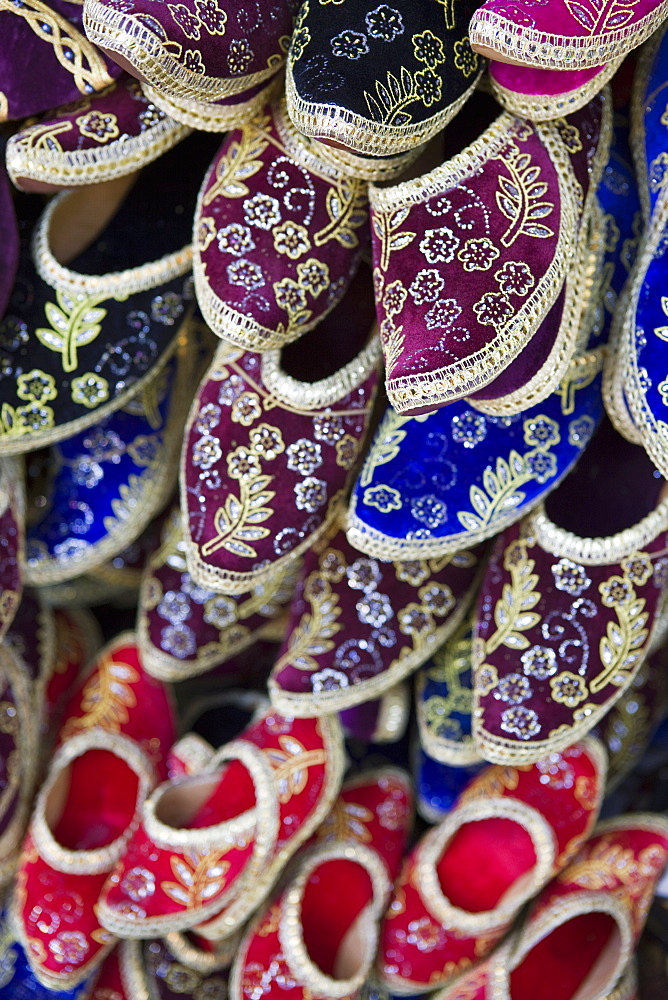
[
  {"x": 478, "y": 254},
  {"x": 539, "y": 662},
  {"x": 383, "y": 498},
  {"x": 570, "y": 577},
  {"x": 90, "y": 390},
  {"x": 520, "y": 721},
  {"x": 568, "y": 689}
]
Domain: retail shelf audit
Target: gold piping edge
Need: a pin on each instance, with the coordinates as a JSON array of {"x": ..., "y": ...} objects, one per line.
[
  {"x": 362, "y": 135},
  {"x": 544, "y": 107},
  {"x": 207, "y": 116},
  {"x": 527, "y": 46}
]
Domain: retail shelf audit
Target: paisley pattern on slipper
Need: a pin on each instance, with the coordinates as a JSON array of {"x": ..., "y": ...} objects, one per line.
[{"x": 103, "y": 136}]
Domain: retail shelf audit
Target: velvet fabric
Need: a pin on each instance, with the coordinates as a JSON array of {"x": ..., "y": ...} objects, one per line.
[
  {"x": 358, "y": 625},
  {"x": 12, "y": 539},
  {"x": 420, "y": 950},
  {"x": 438, "y": 785},
  {"x": 77, "y": 640},
  {"x": 116, "y": 698},
  {"x": 543, "y": 679},
  {"x": 227, "y": 45},
  {"x": 563, "y": 35},
  {"x": 18, "y": 754},
  {"x": 380, "y": 78},
  {"x": 9, "y": 242},
  {"x": 105, "y": 135},
  {"x": 50, "y": 36},
  {"x": 19, "y": 981},
  {"x": 32, "y": 637},
  {"x": 456, "y": 299},
  {"x": 278, "y": 234},
  {"x": 184, "y": 629},
  {"x": 648, "y": 121},
  {"x": 374, "y": 810},
  {"x": 175, "y": 904},
  {"x": 74, "y": 343},
  {"x": 457, "y": 474},
  {"x": 541, "y": 94},
  {"x": 268, "y": 457},
  {"x": 111, "y": 480}
]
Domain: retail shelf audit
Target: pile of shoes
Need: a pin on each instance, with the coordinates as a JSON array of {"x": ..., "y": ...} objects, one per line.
[{"x": 331, "y": 357}]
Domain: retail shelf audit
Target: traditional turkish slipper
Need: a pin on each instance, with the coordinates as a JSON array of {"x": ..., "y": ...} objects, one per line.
[
  {"x": 411, "y": 500},
  {"x": 110, "y": 481},
  {"x": 9, "y": 242},
  {"x": 511, "y": 829},
  {"x": 12, "y": 539},
  {"x": 562, "y": 35},
  {"x": 593, "y": 912},
  {"x": 184, "y": 629},
  {"x": 19, "y": 744},
  {"x": 444, "y": 701},
  {"x": 358, "y": 626},
  {"x": 211, "y": 845},
  {"x": 544, "y": 94},
  {"x": 313, "y": 940},
  {"x": 48, "y": 35},
  {"x": 101, "y": 137},
  {"x": 279, "y": 232},
  {"x": 515, "y": 193},
  {"x": 198, "y": 954},
  {"x": 565, "y": 616},
  {"x": 88, "y": 335},
  {"x": 201, "y": 50},
  {"x": 271, "y": 444},
  {"x": 380, "y": 81},
  {"x": 154, "y": 969},
  {"x": 635, "y": 379},
  {"x": 110, "y": 748},
  {"x": 619, "y": 199}
]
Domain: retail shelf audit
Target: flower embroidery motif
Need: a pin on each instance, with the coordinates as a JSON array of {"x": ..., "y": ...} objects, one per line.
[
  {"x": 243, "y": 464},
  {"x": 428, "y": 87},
  {"x": 267, "y": 441},
  {"x": 304, "y": 456},
  {"x": 346, "y": 451},
  {"x": 374, "y": 609},
  {"x": 478, "y": 254},
  {"x": 186, "y": 20},
  {"x": 328, "y": 428},
  {"x": 383, "y": 498},
  {"x": 246, "y": 274},
  {"x": 439, "y": 246},
  {"x": 616, "y": 592},
  {"x": 36, "y": 385},
  {"x": 486, "y": 679},
  {"x": 246, "y": 408},
  {"x": 212, "y": 16},
  {"x": 349, "y": 45},
  {"x": 206, "y": 233},
  {"x": 638, "y": 568},
  {"x": 69, "y": 947},
  {"x": 539, "y": 662},
  {"x": 220, "y": 611},
  {"x": 514, "y": 689},
  {"x": 90, "y": 390},
  {"x": 428, "y": 49},
  {"x": 97, "y": 126},
  {"x": 541, "y": 465},
  {"x": 415, "y": 621},
  {"x": 262, "y": 211},
  {"x": 394, "y": 298},
  {"x": 442, "y": 314},
  {"x": 520, "y": 721},
  {"x": 194, "y": 62},
  {"x": 570, "y": 577},
  {"x": 292, "y": 240},
  {"x": 429, "y": 510},
  {"x": 311, "y": 494},
  {"x": 493, "y": 309},
  {"x": 541, "y": 432},
  {"x": 384, "y": 23},
  {"x": 515, "y": 278},
  {"x": 235, "y": 239},
  {"x": 313, "y": 276},
  {"x": 239, "y": 56},
  {"x": 466, "y": 60},
  {"x": 426, "y": 286},
  {"x": 568, "y": 689},
  {"x": 468, "y": 428},
  {"x": 580, "y": 431},
  {"x": 138, "y": 883},
  {"x": 364, "y": 574},
  {"x": 290, "y": 296}
]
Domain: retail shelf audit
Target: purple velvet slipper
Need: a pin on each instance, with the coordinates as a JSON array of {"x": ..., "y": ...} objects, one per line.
[
  {"x": 456, "y": 300},
  {"x": 9, "y": 242},
  {"x": 278, "y": 234},
  {"x": 357, "y": 625},
  {"x": 271, "y": 444},
  {"x": 565, "y": 617},
  {"x": 562, "y": 34},
  {"x": 101, "y": 137},
  {"x": 46, "y": 59},
  {"x": 12, "y": 539},
  {"x": 198, "y": 51},
  {"x": 183, "y": 629}
]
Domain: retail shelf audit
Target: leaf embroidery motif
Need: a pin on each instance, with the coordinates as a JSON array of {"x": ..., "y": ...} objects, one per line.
[
  {"x": 501, "y": 489},
  {"x": 513, "y": 614},
  {"x": 313, "y": 635},
  {"x": 621, "y": 648},
  {"x": 291, "y": 763},
  {"x": 106, "y": 699},
  {"x": 393, "y": 97},
  {"x": 198, "y": 876},
  {"x": 599, "y": 16},
  {"x": 75, "y": 322},
  {"x": 346, "y": 208},
  {"x": 519, "y": 198},
  {"x": 242, "y": 161},
  {"x": 385, "y": 225},
  {"x": 237, "y": 521}
]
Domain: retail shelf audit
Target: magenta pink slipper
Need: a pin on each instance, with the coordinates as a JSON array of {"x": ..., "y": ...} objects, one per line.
[
  {"x": 101, "y": 137},
  {"x": 543, "y": 94},
  {"x": 271, "y": 444},
  {"x": 562, "y": 34},
  {"x": 279, "y": 231},
  {"x": 456, "y": 300},
  {"x": 358, "y": 626}
]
